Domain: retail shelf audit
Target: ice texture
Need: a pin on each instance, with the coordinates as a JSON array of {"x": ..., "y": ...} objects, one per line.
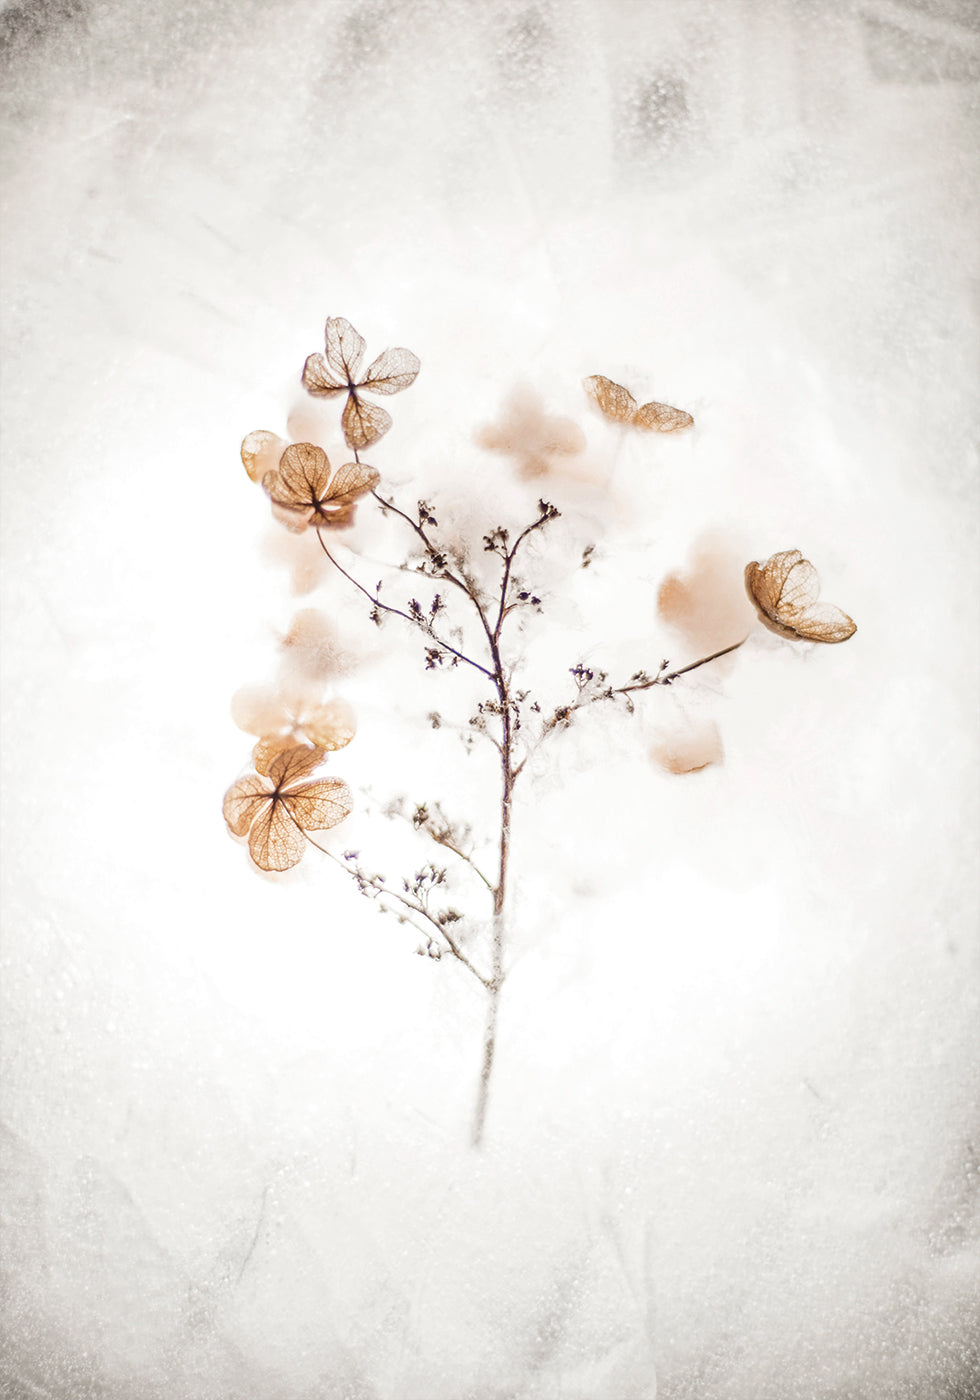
[{"x": 733, "y": 1150}]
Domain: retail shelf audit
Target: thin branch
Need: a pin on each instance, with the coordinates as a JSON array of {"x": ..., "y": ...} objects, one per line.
[
  {"x": 418, "y": 907},
  {"x": 386, "y": 607}
]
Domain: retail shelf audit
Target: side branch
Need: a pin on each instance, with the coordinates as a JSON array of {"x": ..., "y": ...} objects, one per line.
[{"x": 421, "y": 624}]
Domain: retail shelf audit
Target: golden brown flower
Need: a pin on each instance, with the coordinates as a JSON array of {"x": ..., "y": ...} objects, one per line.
[
  {"x": 785, "y": 590},
  {"x": 325, "y": 376},
  {"x": 282, "y": 718},
  {"x": 619, "y": 404},
  {"x": 303, "y": 491},
  {"x": 275, "y": 810}
]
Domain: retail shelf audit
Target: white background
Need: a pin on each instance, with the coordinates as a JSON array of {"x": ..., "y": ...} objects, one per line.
[{"x": 732, "y": 1148}]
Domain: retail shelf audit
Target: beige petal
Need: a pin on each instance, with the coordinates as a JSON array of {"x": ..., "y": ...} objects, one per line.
[
  {"x": 345, "y": 349},
  {"x": 244, "y": 801},
  {"x": 331, "y": 726},
  {"x": 305, "y": 474},
  {"x": 350, "y": 481},
  {"x": 261, "y": 451},
  {"x": 391, "y": 372},
  {"x": 318, "y": 806},
  {"x": 269, "y": 748},
  {"x": 259, "y": 709},
  {"x": 785, "y": 590},
  {"x": 611, "y": 398},
  {"x": 293, "y": 764},
  {"x": 320, "y": 380},
  {"x": 275, "y": 841},
  {"x": 363, "y": 423},
  {"x": 661, "y": 418}
]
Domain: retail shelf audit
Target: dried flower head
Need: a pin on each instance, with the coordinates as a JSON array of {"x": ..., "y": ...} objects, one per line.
[
  {"x": 274, "y": 810},
  {"x": 304, "y": 492},
  {"x": 532, "y": 437},
  {"x": 619, "y": 404},
  {"x": 283, "y": 717},
  {"x": 785, "y": 590},
  {"x": 337, "y": 372}
]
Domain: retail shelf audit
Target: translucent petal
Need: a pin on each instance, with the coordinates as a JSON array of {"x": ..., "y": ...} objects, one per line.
[
  {"x": 293, "y": 764},
  {"x": 305, "y": 474},
  {"x": 275, "y": 841},
  {"x": 391, "y": 372},
  {"x": 331, "y": 726},
  {"x": 244, "y": 801},
  {"x": 258, "y": 709},
  {"x": 317, "y": 806},
  {"x": 345, "y": 349},
  {"x": 661, "y": 418},
  {"x": 614, "y": 401},
  {"x": 363, "y": 423},
  {"x": 785, "y": 590},
  {"x": 352, "y": 480},
  {"x": 269, "y": 748},
  {"x": 261, "y": 451},
  {"x": 320, "y": 380}
]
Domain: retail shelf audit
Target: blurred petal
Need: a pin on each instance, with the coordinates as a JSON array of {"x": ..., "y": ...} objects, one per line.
[
  {"x": 391, "y": 372},
  {"x": 611, "y": 398},
  {"x": 331, "y": 726},
  {"x": 363, "y": 423},
  {"x": 261, "y": 451},
  {"x": 317, "y": 806},
  {"x": 258, "y": 709},
  {"x": 275, "y": 841},
  {"x": 244, "y": 801}
]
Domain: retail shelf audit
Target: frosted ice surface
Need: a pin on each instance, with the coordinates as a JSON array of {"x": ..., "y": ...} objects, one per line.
[{"x": 732, "y": 1151}]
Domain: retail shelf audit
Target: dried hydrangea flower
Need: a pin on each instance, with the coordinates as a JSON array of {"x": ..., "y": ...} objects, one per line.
[
  {"x": 785, "y": 590},
  {"x": 337, "y": 372},
  {"x": 304, "y": 492},
  {"x": 275, "y": 810},
  {"x": 619, "y": 404},
  {"x": 283, "y": 718}
]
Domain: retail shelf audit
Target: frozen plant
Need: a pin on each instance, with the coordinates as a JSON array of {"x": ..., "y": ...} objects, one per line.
[{"x": 464, "y": 616}]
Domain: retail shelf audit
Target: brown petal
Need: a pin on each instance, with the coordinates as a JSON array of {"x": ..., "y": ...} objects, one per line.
[
  {"x": 613, "y": 400},
  {"x": 345, "y": 349},
  {"x": 317, "y": 806},
  {"x": 331, "y": 726},
  {"x": 352, "y": 480},
  {"x": 261, "y": 451},
  {"x": 391, "y": 372},
  {"x": 661, "y": 418},
  {"x": 785, "y": 590},
  {"x": 275, "y": 841},
  {"x": 363, "y": 423},
  {"x": 320, "y": 380},
  {"x": 244, "y": 801},
  {"x": 293, "y": 764},
  {"x": 269, "y": 748},
  {"x": 823, "y": 622},
  {"x": 305, "y": 473}
]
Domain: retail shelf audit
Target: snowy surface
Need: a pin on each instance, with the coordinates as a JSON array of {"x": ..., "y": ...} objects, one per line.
[{"x": 733, "y": 1149}]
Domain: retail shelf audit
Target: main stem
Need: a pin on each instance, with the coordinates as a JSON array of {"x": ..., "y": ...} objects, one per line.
[{"x": 499, "y": 895}]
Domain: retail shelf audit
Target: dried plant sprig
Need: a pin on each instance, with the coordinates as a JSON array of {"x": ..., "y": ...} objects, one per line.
[
  {"x": 617, "y": 403},
  {"x": 336, "y": 372},
  {"x": 275, "y": 810},
  {"x": 785, "y": 590}
]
